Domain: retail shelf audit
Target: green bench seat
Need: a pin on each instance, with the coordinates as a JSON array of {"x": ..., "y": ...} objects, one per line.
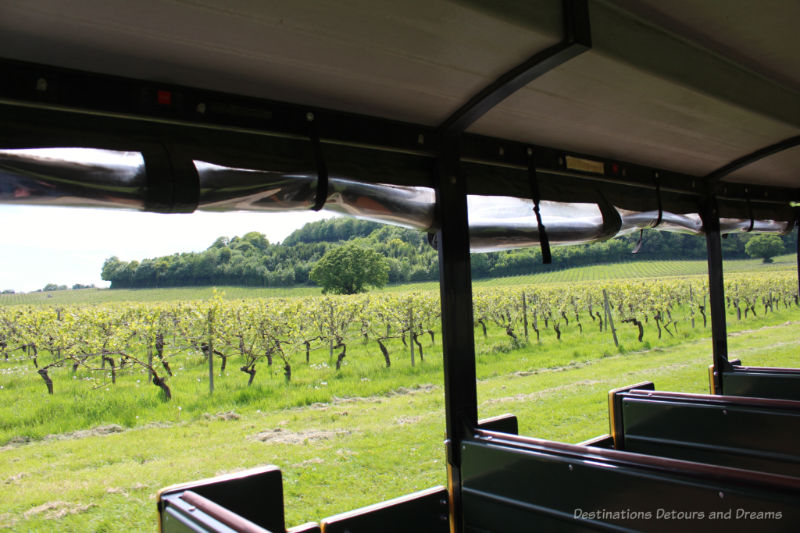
[
  {"x": 513, "y": 484},
  {"x": 751, "y": 433}
]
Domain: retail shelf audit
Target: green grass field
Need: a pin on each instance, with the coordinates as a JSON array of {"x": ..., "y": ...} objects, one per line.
[
  {"x": 92, "y": 456},
  {"x": 340, "y": 454},
  {"x": 644, "y": 269}
]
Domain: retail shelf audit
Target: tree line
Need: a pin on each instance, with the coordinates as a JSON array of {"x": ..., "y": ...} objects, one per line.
[{"x": 251, "y": 260}]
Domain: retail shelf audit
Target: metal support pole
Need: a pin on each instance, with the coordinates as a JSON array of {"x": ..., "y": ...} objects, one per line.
[
  {"x": 458, "y": 343},
  {"x": 716, "y": 290},
  {"x": 797, "y": 255}
]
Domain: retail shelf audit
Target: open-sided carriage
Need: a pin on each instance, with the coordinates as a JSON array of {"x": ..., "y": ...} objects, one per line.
[{"x": 488, "y": 124}]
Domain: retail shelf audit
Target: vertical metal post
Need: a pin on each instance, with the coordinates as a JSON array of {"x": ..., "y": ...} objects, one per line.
[
  {"x": 211, "y": 351},
  {"x": 458, "y": 343},
  {"x": 609, "y": 318},
  {"x": 716, "y": 290},
  {"x": 411, "y": 332},
  {"x": 525, "y": 315},
  {"x": 150, "y": 359},
  {"x": 797, "y": 252}
]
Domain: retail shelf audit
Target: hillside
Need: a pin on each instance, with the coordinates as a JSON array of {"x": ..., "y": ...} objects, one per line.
[{"x": 252, "y": 261}]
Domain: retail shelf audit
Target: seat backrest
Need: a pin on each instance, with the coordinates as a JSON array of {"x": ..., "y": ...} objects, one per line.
[
  {"x": 255, "y": 494},
  {"x": 421, "y": 512},
  {"x": 188, "y": 511},
  {"x": 512, "y": 484},
  {"x": 505, "y": 423},
  {"x": 752, "y": 433},
  {"x": 762, "y": 382}
]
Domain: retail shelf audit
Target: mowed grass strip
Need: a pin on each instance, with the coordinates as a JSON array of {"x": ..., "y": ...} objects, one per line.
[{"x": 341, "y": 454}]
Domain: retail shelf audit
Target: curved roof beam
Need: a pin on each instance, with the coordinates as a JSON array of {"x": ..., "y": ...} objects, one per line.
[
  {"x": 716, "y": 176},
  {"x": 577, "y": 39}
]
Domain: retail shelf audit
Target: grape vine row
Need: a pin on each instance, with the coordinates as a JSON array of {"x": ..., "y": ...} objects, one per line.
[{"x": 117, "y": 338}]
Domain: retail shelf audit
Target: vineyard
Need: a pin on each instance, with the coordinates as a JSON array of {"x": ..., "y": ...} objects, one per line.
[
  {"x": 320, "y": 385},
  {"x": 317, "y": 338}
]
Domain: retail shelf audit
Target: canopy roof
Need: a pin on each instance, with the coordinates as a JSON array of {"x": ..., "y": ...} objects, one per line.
[{"x": 633, "y": 91}]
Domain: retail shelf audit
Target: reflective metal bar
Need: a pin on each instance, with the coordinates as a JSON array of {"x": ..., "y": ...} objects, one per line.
[
  {"x": 84, "y": 177},
  {"x": 105, "y": 178}
]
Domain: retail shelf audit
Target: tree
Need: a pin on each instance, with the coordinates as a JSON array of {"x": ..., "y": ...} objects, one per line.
[
  {"x": 112, "y": 268},
  {"x": 221, "y": 242},
  {"x": 348, "y": 269},
  {"x": 258, "y": 240},
  {"x": 764, "y": 246}
]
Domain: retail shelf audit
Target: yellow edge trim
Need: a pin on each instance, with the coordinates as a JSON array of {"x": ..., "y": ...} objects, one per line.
[
  {"x": 611, "y": 425},
  {"x": 611, "y": 394},
  {"x": 450, "y": 505},
  {"x": 711, "y": 386}
]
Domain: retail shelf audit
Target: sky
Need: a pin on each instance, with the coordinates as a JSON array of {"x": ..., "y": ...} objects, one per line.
[{"x": 65, "y": 246}]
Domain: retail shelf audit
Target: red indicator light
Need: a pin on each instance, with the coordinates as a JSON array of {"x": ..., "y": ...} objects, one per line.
[
  {"x": 164, "y": 98},
  {"x": 615, "y": 168}
]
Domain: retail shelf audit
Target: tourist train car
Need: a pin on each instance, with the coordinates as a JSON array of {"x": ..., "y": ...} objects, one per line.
[{"x": 489, "y": 124}]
